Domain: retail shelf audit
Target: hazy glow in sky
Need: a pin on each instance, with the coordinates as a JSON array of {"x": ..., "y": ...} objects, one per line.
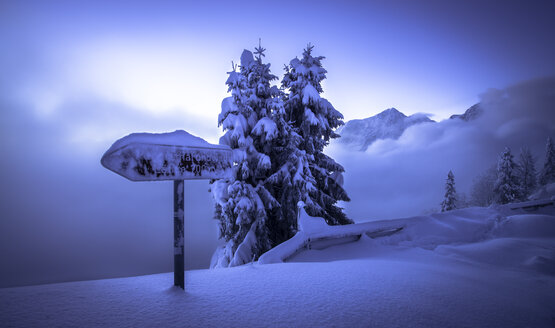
[{"x": 171, "y": 58}]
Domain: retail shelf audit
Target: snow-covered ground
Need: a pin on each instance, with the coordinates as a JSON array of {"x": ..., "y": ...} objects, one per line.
[{"x": 478, "y": 267}]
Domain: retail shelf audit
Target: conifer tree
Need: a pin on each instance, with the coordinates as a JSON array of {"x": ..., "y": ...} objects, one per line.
[
  {"x": 290, "y": 182},
  {"x": 243, "y": 202},
  {"x": 314, "y": 119},
  {"x": 507, "y": 185},
  {"x": 526, "y": 172},
  {"x": 547, "y": 174},
  {"x": 450, "y": 197}
]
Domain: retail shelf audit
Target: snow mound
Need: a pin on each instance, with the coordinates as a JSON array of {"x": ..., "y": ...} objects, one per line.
[
  {"x": 508, "y": 253},
  {"x": 309, "y": 224},
  {"x": 544, "y": 264},
  {"x": 458, "y": 227},
  {"x": 526, "y": 226}
]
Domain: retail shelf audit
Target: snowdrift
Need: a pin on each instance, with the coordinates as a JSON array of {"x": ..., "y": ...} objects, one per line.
[
  {"x": 476, "y": 267},
  {"x": 469, "y": 225}
]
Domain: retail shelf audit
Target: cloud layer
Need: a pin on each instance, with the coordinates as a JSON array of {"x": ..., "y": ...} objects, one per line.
[
  {"x": 404, "y": 177},
  {"x": 65, "y": 215}
]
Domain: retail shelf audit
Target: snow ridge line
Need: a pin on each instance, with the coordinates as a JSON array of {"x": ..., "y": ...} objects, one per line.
[
  {"x": 533, "y": 204},
  {"x": 333, "y": 235}
]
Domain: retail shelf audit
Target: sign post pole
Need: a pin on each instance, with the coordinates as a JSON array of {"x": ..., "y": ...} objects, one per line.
[
  {"x": 178, "y": 235},
  {"x": 176, "y": 156}
]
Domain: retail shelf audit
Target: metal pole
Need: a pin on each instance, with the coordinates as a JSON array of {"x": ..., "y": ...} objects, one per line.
[{"x": 178, "y": 249}]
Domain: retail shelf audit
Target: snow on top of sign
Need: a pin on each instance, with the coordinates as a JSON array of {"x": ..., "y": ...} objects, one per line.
[{"x": 176, "y": 138}]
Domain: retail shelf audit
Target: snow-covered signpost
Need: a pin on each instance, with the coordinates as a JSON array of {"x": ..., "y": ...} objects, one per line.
[{"x": 176, "y": 156}]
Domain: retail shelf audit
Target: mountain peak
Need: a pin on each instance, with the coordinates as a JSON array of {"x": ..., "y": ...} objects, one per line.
[
  {"x": 389, "y": 124},
  {"x": 392, "y": 112},
  {"x": 470, "y": 114}
]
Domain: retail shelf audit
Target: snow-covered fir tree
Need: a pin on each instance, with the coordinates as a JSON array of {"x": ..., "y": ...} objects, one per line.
[
  {"x": 290, "y": 182},
  {"x": 450, "y": 198},
  {"x": 547, "y": 174},
  {"x": 314, "y": 119},
  {"x": 526, "y": 172},
  {"x": 507, "y": 186},
  {"x": 243, "y": 202}
]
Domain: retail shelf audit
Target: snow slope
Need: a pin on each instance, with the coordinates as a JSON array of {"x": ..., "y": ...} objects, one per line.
[{"x": 478, "y": 267}]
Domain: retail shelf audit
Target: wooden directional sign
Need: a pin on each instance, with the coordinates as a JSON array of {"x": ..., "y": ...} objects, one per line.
[
  {"x": 174, "y": 156},
  {"x": 167, "y": 156}
]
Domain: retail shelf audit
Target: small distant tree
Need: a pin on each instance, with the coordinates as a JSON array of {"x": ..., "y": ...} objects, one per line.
[
  {"x": 526, "y": 172},
  {"x": 482, "y": 193},
  {"x": 507, "y": 186},
  {"x": 547, "y": 174},
  {"x": 450, "y": 198}
]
